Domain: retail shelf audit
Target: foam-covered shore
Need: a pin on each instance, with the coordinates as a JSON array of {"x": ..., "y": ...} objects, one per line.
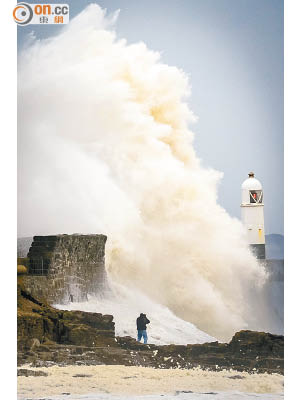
[{"x": 133, "y": 381}]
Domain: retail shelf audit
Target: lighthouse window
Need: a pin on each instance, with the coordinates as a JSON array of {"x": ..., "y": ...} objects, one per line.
[{"x": 256, "y": 196}]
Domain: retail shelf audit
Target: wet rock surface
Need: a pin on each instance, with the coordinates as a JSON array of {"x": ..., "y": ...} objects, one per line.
[
  {"x": 41, "y": 326},
  {"x": 30, "y": 372},
  {"x": 47, "y": 336}
]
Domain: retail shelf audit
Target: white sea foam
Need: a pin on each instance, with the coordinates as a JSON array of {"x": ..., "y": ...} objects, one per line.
[
  {"x": 119, "y": 382},
  {"x": 105, "y": 147},
  {"x": 177, "y": 396},
  {"x": 126, "y": 306}
]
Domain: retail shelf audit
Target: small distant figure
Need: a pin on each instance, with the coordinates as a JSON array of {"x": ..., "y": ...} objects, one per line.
[
  {"x": 141, "y": 325},
  {"x": 71, "y": 298}
]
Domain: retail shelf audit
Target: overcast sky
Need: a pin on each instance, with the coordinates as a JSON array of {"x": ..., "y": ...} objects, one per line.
[{"x": 232, "y": 51}]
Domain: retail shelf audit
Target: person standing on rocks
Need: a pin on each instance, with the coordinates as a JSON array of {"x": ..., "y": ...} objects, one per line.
[{"x": 141, "y": 325}]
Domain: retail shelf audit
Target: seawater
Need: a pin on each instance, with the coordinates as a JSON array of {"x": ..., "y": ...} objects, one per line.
[
  {"x": 175, "y": 396},
  {"x": 126, "y": 305}
]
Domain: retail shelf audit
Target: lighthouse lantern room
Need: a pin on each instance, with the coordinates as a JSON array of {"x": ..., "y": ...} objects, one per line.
[{"x": 252, "y": 210}]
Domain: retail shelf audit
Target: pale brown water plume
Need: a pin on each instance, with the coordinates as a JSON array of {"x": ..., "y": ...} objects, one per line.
[{"x": 105, "y": 147}]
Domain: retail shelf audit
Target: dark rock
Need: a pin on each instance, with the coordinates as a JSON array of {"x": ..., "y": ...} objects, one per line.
[
  {"x": 34, "y": 343},
  {"x": 80, "y": 338},
  {"x": 30, "y": 372},
  {"x": 39, "y": 323},
  {"x": 129, "y": 377},
  {"x": 236, "y": 377}
]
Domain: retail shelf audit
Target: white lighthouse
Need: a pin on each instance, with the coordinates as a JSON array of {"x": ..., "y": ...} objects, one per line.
[{"x": 252, "y": 210}]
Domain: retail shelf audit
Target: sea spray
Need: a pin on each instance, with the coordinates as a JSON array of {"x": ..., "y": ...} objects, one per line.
[
  {"x": 126, "y": 305},
  {"x": 105, "y": 147}
]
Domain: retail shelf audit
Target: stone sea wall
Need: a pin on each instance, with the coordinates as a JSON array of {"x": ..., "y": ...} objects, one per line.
[{"x": 66, "y": 267}]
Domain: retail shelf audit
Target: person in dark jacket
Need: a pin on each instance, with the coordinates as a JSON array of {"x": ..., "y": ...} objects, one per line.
[{"x": 141, "y": 325}]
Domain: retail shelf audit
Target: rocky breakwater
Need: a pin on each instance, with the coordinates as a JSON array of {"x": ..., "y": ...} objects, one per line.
[
  {"x": 247, "y": 351},
  {"x": 44, "y": 333},
  {"x": 48, "y": 336}
]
